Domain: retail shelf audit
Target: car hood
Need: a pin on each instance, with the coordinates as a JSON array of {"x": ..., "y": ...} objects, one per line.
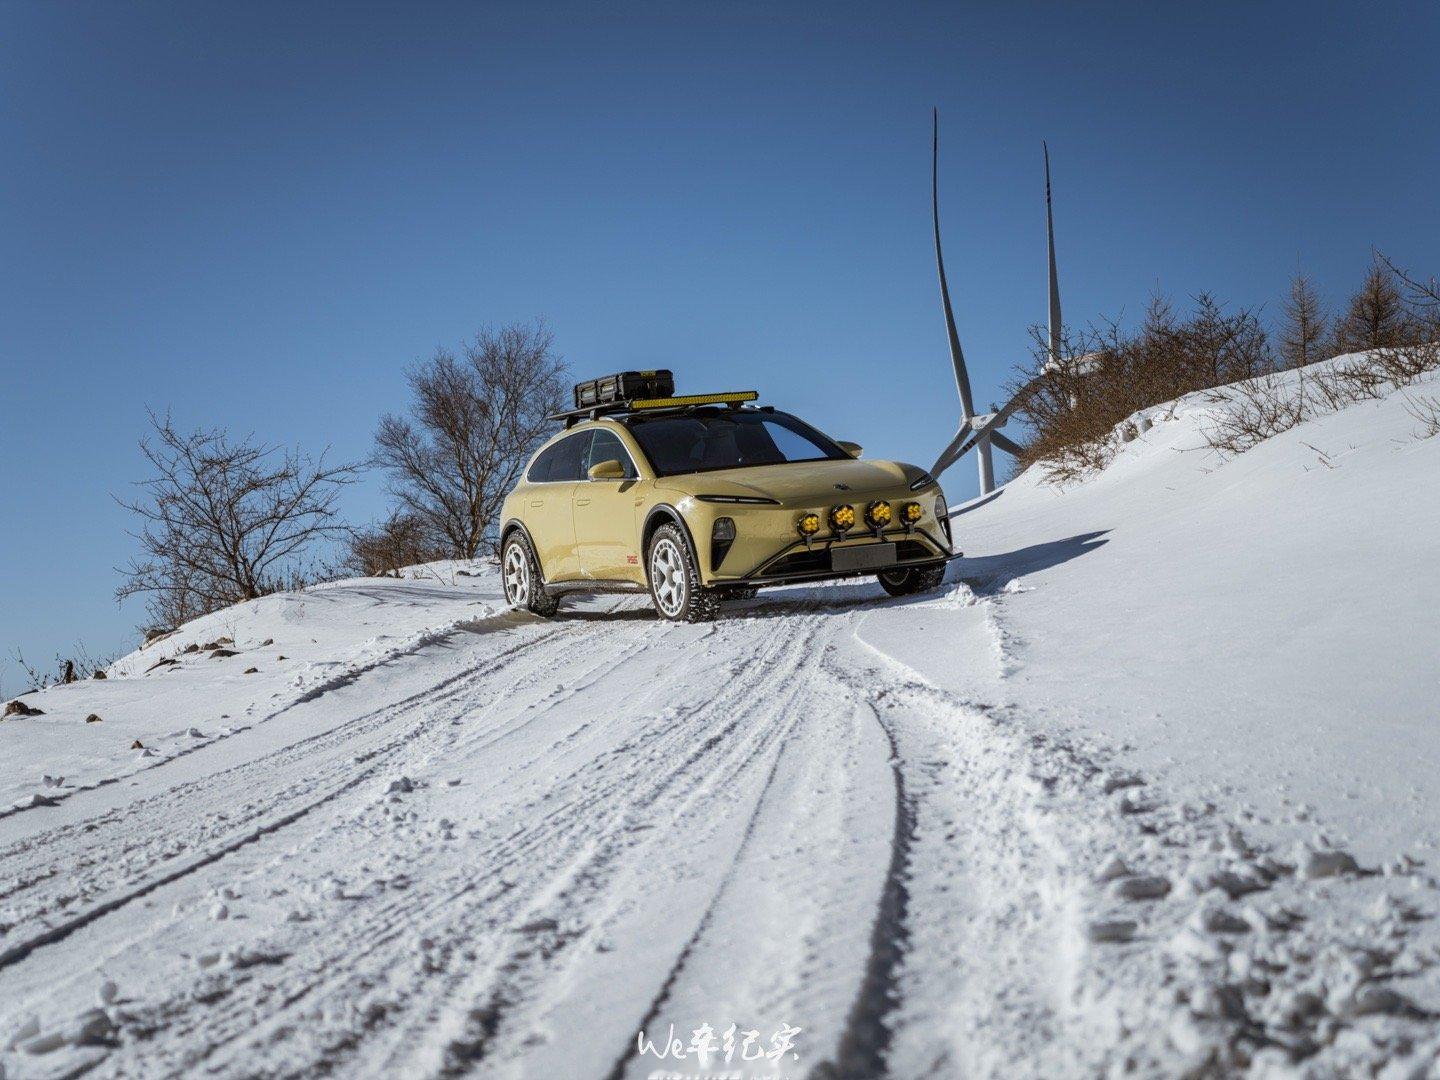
[{"x": 800, "y": 482}]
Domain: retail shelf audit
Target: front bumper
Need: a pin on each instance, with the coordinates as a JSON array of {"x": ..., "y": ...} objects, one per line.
[{"x": 817, "y": 562}]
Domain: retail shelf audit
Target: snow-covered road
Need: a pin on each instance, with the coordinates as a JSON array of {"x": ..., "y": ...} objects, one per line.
[{"x": 514, "y": 848}]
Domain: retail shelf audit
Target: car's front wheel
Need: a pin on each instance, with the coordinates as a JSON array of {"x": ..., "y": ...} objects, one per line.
[
  {"x": 908, "y": 580},
  {"x": 520, "y": 571},
  {"x": 675, "y": 579}
]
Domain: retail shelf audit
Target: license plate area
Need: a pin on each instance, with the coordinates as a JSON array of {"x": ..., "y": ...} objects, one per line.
[{"x": 867, "y": 557}]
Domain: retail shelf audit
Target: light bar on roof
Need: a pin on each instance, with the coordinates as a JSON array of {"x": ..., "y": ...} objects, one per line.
[{"x": 735, "y": 398}]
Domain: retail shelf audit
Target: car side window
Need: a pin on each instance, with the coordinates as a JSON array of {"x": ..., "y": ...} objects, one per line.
[
  {"x": 562, "y": 461},
  {"x": 540, "y": 470},
  {"x": 606, "y": 446}
]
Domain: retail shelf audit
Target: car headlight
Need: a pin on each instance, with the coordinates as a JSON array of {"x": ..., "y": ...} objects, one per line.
[
  {"x": 808, "y": 524},
  {"x": 842, "y": 517},
  {"x": 878, "y": 514},
  {"x": 911, "y": 512}
]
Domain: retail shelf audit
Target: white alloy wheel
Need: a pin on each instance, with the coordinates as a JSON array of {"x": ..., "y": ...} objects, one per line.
[
  {"x": 517, "y": 574},
  {"x": 668, "y": 577}
]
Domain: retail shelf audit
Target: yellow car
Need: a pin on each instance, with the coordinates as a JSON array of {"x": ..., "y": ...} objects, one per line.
[{"x": 704, "y": 498}]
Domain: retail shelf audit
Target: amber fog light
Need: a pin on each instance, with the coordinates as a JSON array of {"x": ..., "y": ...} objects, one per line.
[
  {"x": 911, "y": 513},
  {"x": 878, "y": 513},
  {"x": 808, "y": 525},
  {"x": 842, "y": 518}
]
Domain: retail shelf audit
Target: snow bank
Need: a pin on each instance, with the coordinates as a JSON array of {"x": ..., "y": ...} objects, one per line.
[{"x": 227, "y": 672}]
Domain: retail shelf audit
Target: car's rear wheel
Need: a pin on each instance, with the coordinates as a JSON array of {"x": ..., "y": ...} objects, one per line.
[
  {"x": 675, "y": 584},
  {"x": 520, "y": 571},
  {"x": 908, "y": 580}
]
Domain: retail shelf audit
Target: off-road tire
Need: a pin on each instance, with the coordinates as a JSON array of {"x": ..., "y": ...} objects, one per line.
[
  {"x": 674, "y": 578},
  {"x": 520, "y": 576},
  {"x": 909, "y": 580}
]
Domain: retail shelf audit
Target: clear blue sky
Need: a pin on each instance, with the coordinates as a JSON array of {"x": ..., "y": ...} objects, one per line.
[{"x": 258, "y": 214}]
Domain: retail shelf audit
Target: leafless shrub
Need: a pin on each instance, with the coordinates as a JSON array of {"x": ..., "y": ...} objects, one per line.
[
  {"x": 398, "y": 541},
  {"x": 474, "y": 421},
  {"x": 79, "y": 665},
  {"x": 1250, "y": 412},
  {"x": 1107, "y": 376},
  {"x": 1427, "y": 411},
  {"x": 225, "y": 521}
]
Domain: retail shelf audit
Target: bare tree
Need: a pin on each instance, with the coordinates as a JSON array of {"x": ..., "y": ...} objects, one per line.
[
  {"x": 400, "y": 540},
  {"x": 1303, "y": 332},
  {"x": 1377, "y": 317},
  {"x": 474, "y": 421},
  {"x": 1422, "y": 296},
  {"x": 224, "y": 521}
]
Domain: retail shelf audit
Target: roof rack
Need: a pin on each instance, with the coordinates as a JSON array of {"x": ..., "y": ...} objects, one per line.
[{"x": 734, "y": 399}]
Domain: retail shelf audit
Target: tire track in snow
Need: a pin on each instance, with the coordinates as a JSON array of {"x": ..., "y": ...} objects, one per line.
[
  {"x": 451, "y": 687},
  {"x": 573, "y": 818},
  {"x": 863, "y": 1045}
]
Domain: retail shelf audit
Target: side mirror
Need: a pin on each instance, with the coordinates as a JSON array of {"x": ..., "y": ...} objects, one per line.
[
  {"x": 606, "y": 470},
  {"x": 851, "y": 448}
]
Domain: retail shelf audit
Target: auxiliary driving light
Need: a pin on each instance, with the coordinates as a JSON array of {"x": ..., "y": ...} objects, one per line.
[
  {"x": 808, "y": 525},
  {"x": 878, "y": 514},
  {"x": 842, "y": 518},
  {"x": 911, "y": 513}
]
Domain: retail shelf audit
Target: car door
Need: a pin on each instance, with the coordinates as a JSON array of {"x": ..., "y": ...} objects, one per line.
[
  {"x": 549, "y": 513},
  {"x": 605, "y": 532}
]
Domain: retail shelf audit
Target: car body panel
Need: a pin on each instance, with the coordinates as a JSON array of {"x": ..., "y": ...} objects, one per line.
[{"x": 594, "y": 531}]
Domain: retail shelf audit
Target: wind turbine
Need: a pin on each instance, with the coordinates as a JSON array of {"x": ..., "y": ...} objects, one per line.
[{"x": 981, "y": 432}]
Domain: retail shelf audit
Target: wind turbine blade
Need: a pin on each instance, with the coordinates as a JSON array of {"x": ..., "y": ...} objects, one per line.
[
  {"x": 1055, "y": 324},
  {"x": 949, "y": 455},
  {"x": 957, "y": 357},
  {"x": 1004, "y": 442}
]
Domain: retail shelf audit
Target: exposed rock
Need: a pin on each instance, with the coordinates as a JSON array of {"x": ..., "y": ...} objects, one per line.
[
  {"x": 267, "y": 642},
  {"x": 19, "y": 708},
  {"x": 1141, "y": 887},
  {"x": 92, "y": 1027},
  {"x": 137, "y": 745},
  {"x": 192, "y": 647},
  {"x": 93, "y": 718},
  {"x": 1370, "y": 1000},
  {"x": 220, "y": 654},
  {"x": 1112, "y": 930},
  {"x": 99, "y": 673},
  {"x": 1327, "y": 863},
  {"x": 251, "y": 670},
  {"x": 164, "y": 661},
  {"x": 155, "y": 633}
]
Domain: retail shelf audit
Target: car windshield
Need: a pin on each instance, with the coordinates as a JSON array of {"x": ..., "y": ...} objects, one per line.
[{"x": 706, "y": 439}]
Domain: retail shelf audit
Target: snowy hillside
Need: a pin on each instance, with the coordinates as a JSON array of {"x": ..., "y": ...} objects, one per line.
[{"x": 1152, "y": 785}]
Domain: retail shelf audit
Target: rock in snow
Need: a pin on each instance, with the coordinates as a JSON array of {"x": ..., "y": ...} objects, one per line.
[
  {"x": 1112, "y": 930},
  {"x": 1327, "y": 863}
]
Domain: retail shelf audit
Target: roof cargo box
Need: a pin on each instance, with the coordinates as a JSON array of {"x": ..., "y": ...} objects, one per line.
[{"x": 625, "y": 386}]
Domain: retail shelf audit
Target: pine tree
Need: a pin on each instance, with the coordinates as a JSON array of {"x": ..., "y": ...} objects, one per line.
[
  {"x": 1377, "y": 317},
  {"x": 1302, "y": 334}
]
